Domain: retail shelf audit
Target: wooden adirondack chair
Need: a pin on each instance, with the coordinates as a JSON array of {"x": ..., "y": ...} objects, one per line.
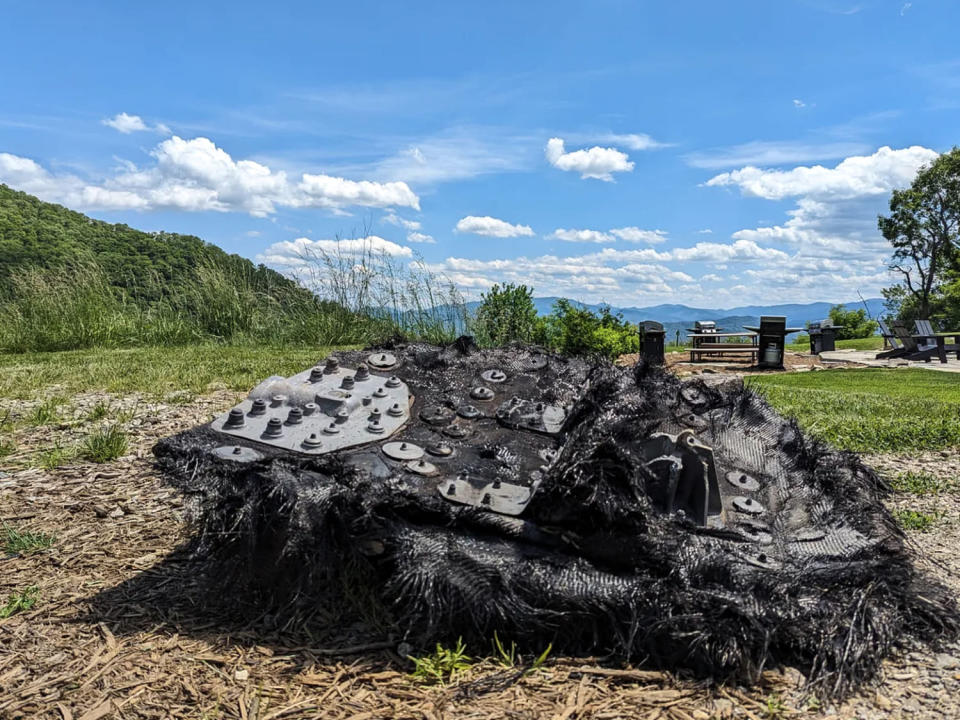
[
  {"x": 914, "y": 351},
  {"x": 925, "y": 328},
  {"x": 897, "y": 348}
]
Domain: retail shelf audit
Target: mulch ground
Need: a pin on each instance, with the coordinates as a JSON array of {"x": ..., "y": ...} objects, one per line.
[
  {"x": 125, "y": 628},
  {"x": 679, "y": 363}
]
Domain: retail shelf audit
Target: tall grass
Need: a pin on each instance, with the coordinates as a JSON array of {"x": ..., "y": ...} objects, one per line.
[
  {"x": 360, "y": 295},
  {"x": 392, "y": 295}
]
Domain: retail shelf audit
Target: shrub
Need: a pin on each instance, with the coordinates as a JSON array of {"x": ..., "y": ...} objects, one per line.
[
  {"x": 574, "y": 330},
  {"x": 507, "y": 314},
  {"x": 855, "y": 323}
]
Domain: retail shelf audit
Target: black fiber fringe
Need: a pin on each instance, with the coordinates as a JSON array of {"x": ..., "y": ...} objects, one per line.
[{"x": 594, "y": 567}]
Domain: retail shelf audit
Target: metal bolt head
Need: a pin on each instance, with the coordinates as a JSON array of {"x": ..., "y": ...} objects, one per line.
[
  {"x": 393, "y": 381},
  {"x": 259, "y": 407},
  {"x": 316, "y": 374},
  {"x": 468, "y": 411},
  {"x": 363, "y": 372},
  {"x": 331, "y": 365},
  {"x": 238, "y": 450},
  {"x": 375, "y": 427},
  {"x": 274, "y": 427},
  {"x": 379, "y": 392},
  {"x": 348, "y": 382},
  {"x": 331, "y": 429},
  {"x": 235, "y": 418},
  {"x": 496, "y": 375},
  {"x": 277, "y": 400},
  {"x": 440, "y": 449},
  {"x": 395, "y": 410},
  {"x": 481, "y": 393},
  {"x": 310, "y": 408},
  {"x": 342, "y": 415},
  {"x": 313, "y": 441},
  {"x": 295, "y": 416},
  {"x": 375, "y": 414}
]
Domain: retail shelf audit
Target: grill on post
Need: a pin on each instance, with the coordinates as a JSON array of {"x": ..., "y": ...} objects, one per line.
[
  {"x": 707, "y": 327},
  {"x": 651, "y": 342},
  {"x": 823, "y": 336},
  {"x": 773, "y": 333}
]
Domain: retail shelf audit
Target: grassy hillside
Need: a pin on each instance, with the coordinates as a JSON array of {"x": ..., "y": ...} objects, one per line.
[
  {"x": 69, "y": 282},
  {"x": 147, "y": 267}
]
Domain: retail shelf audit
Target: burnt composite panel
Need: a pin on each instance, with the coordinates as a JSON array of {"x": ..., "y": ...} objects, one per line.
[{"x": 605, "y": 510}]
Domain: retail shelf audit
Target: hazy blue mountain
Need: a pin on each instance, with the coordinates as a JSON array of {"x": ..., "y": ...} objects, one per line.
[{"x": 680, "y": 317}]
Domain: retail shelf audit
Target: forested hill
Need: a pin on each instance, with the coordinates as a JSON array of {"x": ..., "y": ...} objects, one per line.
[{"x": 147, "y": 266}]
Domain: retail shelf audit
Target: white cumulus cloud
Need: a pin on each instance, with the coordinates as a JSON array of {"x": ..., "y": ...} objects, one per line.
[
  {"x": 419, "y": 237},
  {"x": 597, "y": 162},
  {"x": 591, "y": 236},
  {"x": 196, "y": 175},
  {"x": 491, "y": 227},
  {"x": 126, "y": 124},
  {"x": 855, "y": 176},
  {"x": 635, "y": 234},
  {"x": 304, "y": 252}
]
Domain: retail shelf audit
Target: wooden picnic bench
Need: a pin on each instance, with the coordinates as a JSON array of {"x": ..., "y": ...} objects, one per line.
[{"x": 708, "y": 344}]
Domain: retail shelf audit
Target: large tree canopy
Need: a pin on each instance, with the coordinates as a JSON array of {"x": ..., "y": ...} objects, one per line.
[{"x": 924, "y": 229}]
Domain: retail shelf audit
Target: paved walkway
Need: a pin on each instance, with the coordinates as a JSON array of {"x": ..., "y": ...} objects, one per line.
[{"x": 869, "y": 358}]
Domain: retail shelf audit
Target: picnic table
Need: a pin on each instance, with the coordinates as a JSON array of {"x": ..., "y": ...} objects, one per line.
[
  {"x": 709, "y": 344},
  {"x": 786, "y": 331},
  {"x": 940, "y": 338}
]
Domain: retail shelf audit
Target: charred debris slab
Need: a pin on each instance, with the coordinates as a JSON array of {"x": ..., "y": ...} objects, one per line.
[{"x": 606, "y": 510}]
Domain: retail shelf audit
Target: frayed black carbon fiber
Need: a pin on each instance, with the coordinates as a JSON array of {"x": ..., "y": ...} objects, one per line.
[{"x": 819, "y": 578}]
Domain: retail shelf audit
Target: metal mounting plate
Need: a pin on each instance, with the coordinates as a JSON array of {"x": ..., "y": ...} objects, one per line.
[{"x": 329, "y": 414}]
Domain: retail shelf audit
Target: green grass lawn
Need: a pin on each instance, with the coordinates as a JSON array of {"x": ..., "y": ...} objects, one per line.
[
  {"x": 155, "y": 371},
  {"x": 866, "y": 409},
  {"x": 873, "y": 409}
]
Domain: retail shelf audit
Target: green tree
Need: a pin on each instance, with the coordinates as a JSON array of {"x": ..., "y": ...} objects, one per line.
[
  {"x": 507, "y": 314},
  {"x": 924, "y": 229},
  {"x": 855, "y": 323},
  {"x": 575, "y": 330}
]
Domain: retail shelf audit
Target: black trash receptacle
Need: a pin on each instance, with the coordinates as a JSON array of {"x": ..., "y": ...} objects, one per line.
[{"x": 651, "y": 342}]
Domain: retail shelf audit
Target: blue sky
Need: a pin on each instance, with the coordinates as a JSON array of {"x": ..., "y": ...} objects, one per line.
[{"x": 712, "y": 154}]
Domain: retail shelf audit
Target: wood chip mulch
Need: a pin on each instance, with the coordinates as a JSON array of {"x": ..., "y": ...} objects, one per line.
[{"x": 124, "y": 627}]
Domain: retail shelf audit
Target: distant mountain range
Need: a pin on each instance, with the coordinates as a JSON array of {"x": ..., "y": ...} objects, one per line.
[{"x": 681, "y": 317}]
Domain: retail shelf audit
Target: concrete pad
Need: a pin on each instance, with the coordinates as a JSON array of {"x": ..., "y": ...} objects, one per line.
[{"x": 869, "y": 359}]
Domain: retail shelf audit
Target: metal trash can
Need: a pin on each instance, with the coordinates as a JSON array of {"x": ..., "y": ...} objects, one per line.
[
  {"x": 651, "y": 342},
  {"x": 823, "y": 336}
]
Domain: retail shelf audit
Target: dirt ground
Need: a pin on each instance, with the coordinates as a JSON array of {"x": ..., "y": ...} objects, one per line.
[
  {"x": 124, "y": 627},
  {"x": 679, "y": 363}
]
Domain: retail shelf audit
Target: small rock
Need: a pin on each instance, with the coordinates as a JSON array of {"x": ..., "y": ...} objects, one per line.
[
  {"x": 709, "y": 371},
  {"x": 793, "y": 677},
  {"x": 116, "y": 512},
  {"x": 910, "y": 706},
  {"x": 883, "y": 701},
  {"x": 722, "y": 708},
  {"x": 241, "y": 675},
  {"x": 404, "y": 650},
  {"x": 700, "y": 715},
  {"x": 947, "y": 662}
]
